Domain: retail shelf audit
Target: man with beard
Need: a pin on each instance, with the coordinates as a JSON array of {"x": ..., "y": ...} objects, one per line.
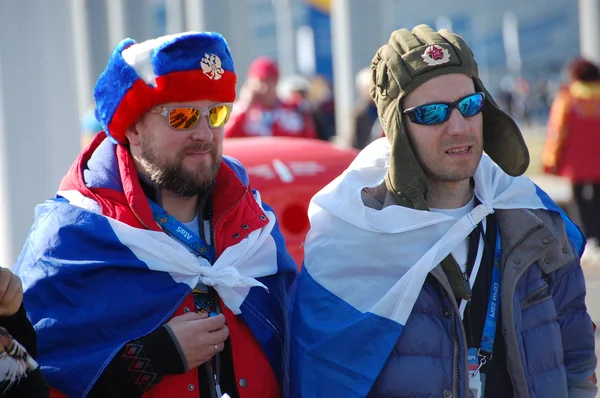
[
  {"x": 431, "y": 269},
  {"x": 156, "y": 270}
]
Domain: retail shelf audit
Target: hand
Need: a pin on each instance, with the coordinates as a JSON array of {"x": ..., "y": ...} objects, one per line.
[
  {"x": 11, "y": 292},
  {"x": 198, "y": 334}
]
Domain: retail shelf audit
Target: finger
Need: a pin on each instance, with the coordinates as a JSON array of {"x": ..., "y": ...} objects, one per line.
[
  {"x": 218, "y": 336},
  {"x": 14, "y": 288},
  {"x": 212, "y": 323},
  {"x": 220, "y": 347},
  {"x": 187, "y": 317},
  {"x": 210, "y": 351},
  {"x": 5, "y": 277}
]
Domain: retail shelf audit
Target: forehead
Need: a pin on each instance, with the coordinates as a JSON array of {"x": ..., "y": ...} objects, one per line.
[
  {"x": 444, "y": 88},
  {"x": 195, "y": 104}
]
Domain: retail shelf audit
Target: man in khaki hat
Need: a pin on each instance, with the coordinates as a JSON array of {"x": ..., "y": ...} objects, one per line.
[{"x": 433, "y": 269}]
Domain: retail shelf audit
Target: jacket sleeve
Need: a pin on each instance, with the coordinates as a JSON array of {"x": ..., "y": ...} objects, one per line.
[
  {"x": 557, "y": 133},
  {"x": 158, "y": 354},
  {"x": 33, "y": 385},
  {"x": 577, "y": 330},
  {"x": 21, "y": 329},
  {"x": 310, "y": 130}
]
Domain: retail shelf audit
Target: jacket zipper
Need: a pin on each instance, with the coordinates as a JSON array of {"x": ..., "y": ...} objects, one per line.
[
  {"x": 443, "y": 281},
  {"x": 456, "y": 355},
  {"x": 140, "y": 219}
]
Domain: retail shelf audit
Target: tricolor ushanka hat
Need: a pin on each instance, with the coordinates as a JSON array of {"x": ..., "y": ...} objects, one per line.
[{"x": 184, "y": 67}]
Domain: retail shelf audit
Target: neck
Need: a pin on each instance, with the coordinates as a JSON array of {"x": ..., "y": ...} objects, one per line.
[
  {"x": 449, "y": 195},
  {"x": 183, "y": 209}
]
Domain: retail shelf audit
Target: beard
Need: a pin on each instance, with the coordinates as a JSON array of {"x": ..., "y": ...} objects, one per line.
[{"x": 173, "y": 176}]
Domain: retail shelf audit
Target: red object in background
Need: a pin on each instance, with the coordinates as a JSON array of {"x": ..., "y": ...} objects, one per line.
[{"x": 288, "y": 172}]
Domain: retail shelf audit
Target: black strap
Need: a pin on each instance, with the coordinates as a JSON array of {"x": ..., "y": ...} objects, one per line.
[
  {"x": 474, "y": 243},
  {"x": 473, "y": 248}
]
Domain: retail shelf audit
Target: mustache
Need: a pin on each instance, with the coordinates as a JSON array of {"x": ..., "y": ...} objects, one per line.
[
  {"x": 470, "y": 141},
  {"x": 199, "y": 147}
]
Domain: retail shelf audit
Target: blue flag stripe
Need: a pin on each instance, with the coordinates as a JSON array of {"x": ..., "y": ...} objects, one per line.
[{"x": 322, "y": 363}]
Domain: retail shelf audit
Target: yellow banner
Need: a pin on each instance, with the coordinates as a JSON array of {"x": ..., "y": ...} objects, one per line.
[{"x": 323, "y": 5}]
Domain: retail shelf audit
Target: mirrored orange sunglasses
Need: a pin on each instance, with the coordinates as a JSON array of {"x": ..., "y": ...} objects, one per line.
[{"x": 186, "y": 117}]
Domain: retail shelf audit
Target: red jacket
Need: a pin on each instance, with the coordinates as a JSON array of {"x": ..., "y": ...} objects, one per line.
[
  {"x": 284, "y": 120},
  {"x": 235, "y": 207},
  {"x": 573, "y": 141}
]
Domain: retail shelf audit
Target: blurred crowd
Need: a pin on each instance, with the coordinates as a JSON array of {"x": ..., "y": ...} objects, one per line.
[{"x": 297, "y": 106}]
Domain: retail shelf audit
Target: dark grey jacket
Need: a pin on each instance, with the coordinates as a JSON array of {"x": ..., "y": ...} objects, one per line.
[{"x": 548, "y": 332}]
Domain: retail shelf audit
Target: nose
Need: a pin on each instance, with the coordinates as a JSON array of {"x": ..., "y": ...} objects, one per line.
[
  {"x": 201, "y": 131},
  {"x": 457, "y": 124}
]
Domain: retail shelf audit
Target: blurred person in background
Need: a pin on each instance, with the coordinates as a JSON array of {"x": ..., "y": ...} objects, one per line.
[
  {"x": 156, "y": 271},
  {"x": 365, "y": 129},
  {"x": 321, "y": 96},
  {"x": 89, "y": 127},
  {"x": 572, "y": 147},
  {"x": 259, "y": 112},
  {"x": 294, "y": 90},
  {"x": 432, "y": 269}
]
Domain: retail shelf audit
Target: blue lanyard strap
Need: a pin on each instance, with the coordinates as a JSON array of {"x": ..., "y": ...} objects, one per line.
[
  {"x": 491, "y": 318},
  {"x": 182, "y": 233}
]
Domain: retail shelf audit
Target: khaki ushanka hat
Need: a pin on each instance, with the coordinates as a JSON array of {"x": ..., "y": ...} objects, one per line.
[{"x": 408, "y": 60}]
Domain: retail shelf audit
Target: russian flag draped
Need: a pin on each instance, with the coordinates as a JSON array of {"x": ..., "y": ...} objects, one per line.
[
  {"x": 364, "y": 269},
  {"x": 93, "y": 283}
]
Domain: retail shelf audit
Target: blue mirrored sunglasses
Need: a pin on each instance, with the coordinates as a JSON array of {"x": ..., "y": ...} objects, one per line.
[{"x": 439, "y": 112}]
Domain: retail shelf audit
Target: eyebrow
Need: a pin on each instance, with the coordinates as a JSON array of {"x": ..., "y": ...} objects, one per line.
[{"x": 441, "y": 101}]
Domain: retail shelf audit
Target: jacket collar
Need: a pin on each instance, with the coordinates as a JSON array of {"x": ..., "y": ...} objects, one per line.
[{"x": 106, "y": 173}]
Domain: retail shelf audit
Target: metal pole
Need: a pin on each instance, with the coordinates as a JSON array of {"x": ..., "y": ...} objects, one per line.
[
  {"x": 342, "y": 69},
  {"x": 284, "y": 26},
  {"x": 7, "y": 255},
  {"x": 589, "y": 29},
  {"x": 37, "y": 151},
  {"x": 82, "y": 55},
  {"x": 116, "y": 23},
  {"x": 175, "y": 21},
  {"x": 510, "y": 36},
  {"x": 194, "y": 15}
]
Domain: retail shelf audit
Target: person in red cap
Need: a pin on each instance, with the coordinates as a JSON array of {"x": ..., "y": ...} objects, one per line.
[{"x": 260, "y": 112}]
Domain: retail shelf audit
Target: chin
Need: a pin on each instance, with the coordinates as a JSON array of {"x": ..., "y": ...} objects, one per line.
[{"x": 452, "y": 174}]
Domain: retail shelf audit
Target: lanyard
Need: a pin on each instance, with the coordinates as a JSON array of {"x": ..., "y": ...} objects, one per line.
[
  {"x": 183, "y": 233},
  {"x": 491, "y": 319},
  {"x": 197, "y": 244}
]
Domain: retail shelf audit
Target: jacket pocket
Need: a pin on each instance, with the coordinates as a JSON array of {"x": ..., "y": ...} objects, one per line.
[{"x": 538, "y": 296}]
